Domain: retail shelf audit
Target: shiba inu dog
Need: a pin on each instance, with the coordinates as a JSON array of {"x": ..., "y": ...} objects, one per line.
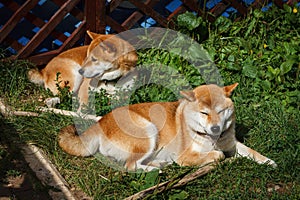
[
  {"x": 108, "y": 57},
  {"x": 196, "y": 130}
]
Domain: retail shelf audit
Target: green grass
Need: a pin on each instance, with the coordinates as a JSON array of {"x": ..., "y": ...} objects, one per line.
[{"x": 267, "y": 110}]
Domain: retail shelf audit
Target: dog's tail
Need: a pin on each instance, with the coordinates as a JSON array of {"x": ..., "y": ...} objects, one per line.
[
  {"x": 35, "y": 76},
  {"x": 85, "y": 144}
]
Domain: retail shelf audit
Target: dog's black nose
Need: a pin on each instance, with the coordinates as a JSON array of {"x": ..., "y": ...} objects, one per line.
[
  {"x": 81, "y": 71},
  {"x": 215, "y": 129}
]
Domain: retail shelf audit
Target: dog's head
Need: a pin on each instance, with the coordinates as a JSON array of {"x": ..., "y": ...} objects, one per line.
[
  {"x": 210, "y": 110},
  {"x": 107, "y": 53}
]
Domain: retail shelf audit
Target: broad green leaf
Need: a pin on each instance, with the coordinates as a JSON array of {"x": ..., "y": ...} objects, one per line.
[
  {"x": 231, "y": 58},
  {"x": 287, "y": 8},
  {"x": 273, "y": 71},
  {"x": 179, "y": 196},
  {"x": 232, "y": 66},
  {"x": 289, "y": 48},
  {"x": 223, "y": 23},
  {"x": 189, "y": 20},
  {"x": 250, "y": 70},
  {"x": 250, "y": 27},
  {"x": 286, "y": 66},
  {"x": 258, "y": 13},
  {"x": 266, "y": 85}
]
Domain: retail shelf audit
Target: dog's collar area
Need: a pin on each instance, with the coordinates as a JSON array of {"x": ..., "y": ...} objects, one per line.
[
  {"x": 223, "y": 133},
  {"x": 110, "y": 81}
]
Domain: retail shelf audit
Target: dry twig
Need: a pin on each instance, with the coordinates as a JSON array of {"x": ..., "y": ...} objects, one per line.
[
  {"x": 168, "y": 184},
  {"x": 7, "y": 111}
]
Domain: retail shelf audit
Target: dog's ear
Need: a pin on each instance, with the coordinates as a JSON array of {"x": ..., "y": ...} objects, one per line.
[
  {"x": 189, "y": 95},
  {"x": 92, "y": 35},
  {"x": 229, "y": 88},
  {"x": 108, "y": 46}
]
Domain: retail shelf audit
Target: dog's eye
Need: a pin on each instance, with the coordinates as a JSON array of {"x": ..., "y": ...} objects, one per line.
[
  {"x": 222, "y": 110},
  {"x": 203, "y": 113},
  {"x": 93, "y": 59}
]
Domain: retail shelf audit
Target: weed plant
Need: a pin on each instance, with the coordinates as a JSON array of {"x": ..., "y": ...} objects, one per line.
[{"x": 261, "y": 52}]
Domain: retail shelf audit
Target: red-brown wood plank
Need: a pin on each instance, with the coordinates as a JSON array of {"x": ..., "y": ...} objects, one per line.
[
  {"x": 114, "y": 25},
  {"x": 95, "y": 14},
  {"x": 132, "y": 19},
  {"x": 47, "y": 28},
  {"x": 44, "y": 58},
  {"x": 241, "y": 8},
  {"x": 37, "y": 22},
  {"x": 75, "y": 11},
  {"x": 218, "y": 9},
  {"x": 13, "y": 43},
  {"x": 136, "y": 16},
  {"x": 152, "y": 13},
  {"x": 114, "y": 4},
  {"x": 193, "y": 5},
  {"x": 74, "y": 37},
  {"x": 279, "y": 3},
  {"x": 258, "y": 4},
  {"x": 181, "y": 9},
  {"x": 17, "y": 16},
  {"x": 292, "y": 2}
]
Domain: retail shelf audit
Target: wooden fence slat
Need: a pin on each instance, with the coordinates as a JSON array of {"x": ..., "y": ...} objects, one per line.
[
  {"x": 136, "y": 16},
  {"x": 35, "y": 21},
  {"x": 181, "y": 9},
  {"x": 74, "y": 37},
  {"x": 13, "y": 43},
  {"x": 17, "y": 16},
  {"x": 279, "y": 3},
  {"x": 75, "y": 11},
  {"x": 132, "y": 20},
  {"x": 114, "y": 4},
  {"x": 95, "y": 14},
  {"x": 193, "y": 5},
  {"x": 44, "y": 58},
  {"x": 239, "y": 6},
  {"x": 152, "y": 13},
  {"x": 46, "y": 29},
  {"x": 114, "y": 25},
  {"x": 218, "y": 9},
  {"x": 258, "y": 4}
]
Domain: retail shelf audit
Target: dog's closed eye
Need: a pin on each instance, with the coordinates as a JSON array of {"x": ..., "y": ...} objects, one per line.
[
  {"x": 93, "y": 59},
  {"x": 203, "y": 113},
  {"x": 222, "y": 110}
]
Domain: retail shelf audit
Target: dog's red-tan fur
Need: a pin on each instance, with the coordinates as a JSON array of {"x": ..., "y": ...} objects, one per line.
[
  {"x": 196, "y": 130},
  {"x": 110, "y": 49}
]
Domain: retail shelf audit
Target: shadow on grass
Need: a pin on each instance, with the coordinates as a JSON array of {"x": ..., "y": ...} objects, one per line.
[
  {"x": 242, "y": 132},
  {"x": 18, "y": 181}
]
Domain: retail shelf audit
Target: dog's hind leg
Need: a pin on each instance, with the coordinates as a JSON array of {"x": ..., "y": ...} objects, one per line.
[{"x": 244, "y": 151}]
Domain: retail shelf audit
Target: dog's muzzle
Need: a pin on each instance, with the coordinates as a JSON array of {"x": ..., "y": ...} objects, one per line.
[{"x": 81, "y": 71}]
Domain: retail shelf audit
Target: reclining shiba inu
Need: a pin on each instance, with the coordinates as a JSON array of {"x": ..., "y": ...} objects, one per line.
[
  {"x": 196, "y": 130},
  {"x": 108, "y": 57}
]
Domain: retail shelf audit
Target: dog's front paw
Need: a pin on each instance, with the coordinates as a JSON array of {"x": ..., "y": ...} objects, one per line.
[
  {"x": 51, "y": 102},
  {"x": 271, "y": 162}
]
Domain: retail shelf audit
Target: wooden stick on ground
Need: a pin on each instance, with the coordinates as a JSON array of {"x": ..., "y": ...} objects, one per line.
[
  {"x": 7, "y": 111},
  {"x": 166, "y": 185}
]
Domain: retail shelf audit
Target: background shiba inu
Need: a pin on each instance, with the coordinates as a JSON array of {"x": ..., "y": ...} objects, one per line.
[
  {"x": 196, "y": 130},
  {"x": 108, "y": 57}
]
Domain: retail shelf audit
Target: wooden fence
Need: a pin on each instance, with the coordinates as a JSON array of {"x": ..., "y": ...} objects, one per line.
[{"x": 30, "y": 24}]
